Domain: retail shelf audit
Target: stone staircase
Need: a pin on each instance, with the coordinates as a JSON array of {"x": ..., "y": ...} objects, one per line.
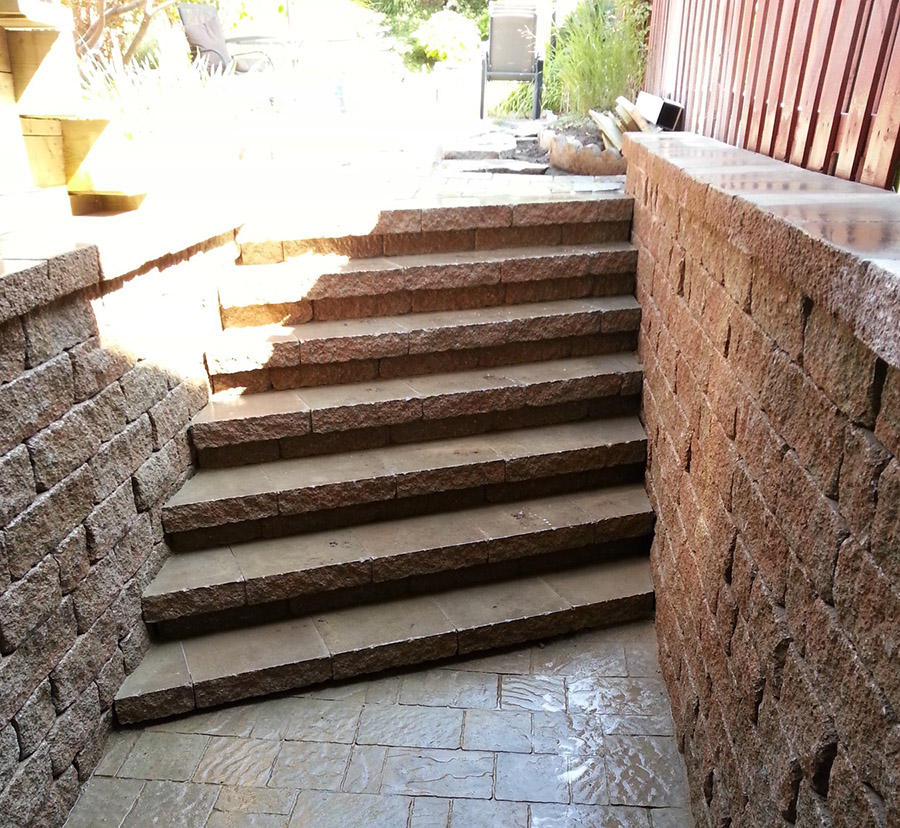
[{"x": 424, "y": 442}]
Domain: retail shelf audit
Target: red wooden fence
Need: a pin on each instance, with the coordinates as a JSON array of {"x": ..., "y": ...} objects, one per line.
[{"x": 813, "y": 82}]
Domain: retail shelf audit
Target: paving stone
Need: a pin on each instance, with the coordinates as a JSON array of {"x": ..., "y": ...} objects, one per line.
[
  {"x": 164, "y": 756},
  {"x": 231, "y": 760},
  {"x": 587, "y": 776},
  {"x": 364, "y": 771},
  {"x": 321, "y": 720},
  {"x": 450, "y": 688},
  {"x": 250, "y": 417},
  {"x": 534, "y": 778},
  {"x": 568, "y": 734},
  {"x": 659, "y": 725},
  {"x": 582, "y": 816},
  {"x": 233, "y": 819},
  {"x": 477, "y": 813},
  {"x": 236, "y": 720},
  {"x": 578, "y": 657},
  {"x": 517, "y": 661},
  {"x": 104, "y": 803},
  {"x": 410, "y": 726},
  {"x": 620, "y": 696},
  {"x": 645, "y": 770},
  {"x": 118, "y": 745},
  {"x": 448, "y": 773},
  {"x": 540, "y": 693},
  {"x": 244, "y": 798},
  {"x": 338, "y": 810},
  {"x": 497, "y": 730},
  {"x": 671, "y": 818},
  {"x": 310, "y": 766},
  {"x": 172, "y": 803},
  {"x": 428, "y": 812}
]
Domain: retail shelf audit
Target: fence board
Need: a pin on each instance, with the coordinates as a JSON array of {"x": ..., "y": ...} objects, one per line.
[{"x": 816, "y": 82}]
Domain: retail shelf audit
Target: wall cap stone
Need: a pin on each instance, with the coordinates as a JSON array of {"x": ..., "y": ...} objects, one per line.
[{"x": 836, "y": 241}]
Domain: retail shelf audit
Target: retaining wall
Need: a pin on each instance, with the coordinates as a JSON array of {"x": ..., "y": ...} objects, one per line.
[
  {"x": 100, "y": 371},
  {"x": 771, "y": 347}
]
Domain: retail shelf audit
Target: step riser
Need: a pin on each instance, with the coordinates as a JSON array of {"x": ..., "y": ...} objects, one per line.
[
  {"x": 411, "y": 365},
  {"x": 389, "y": 509},
  {"x": 440, "y": 289},
  {"x": 313, "y": 444},
  {"x": 231, "y": 608},
  {"x": 441, "y": 241}
]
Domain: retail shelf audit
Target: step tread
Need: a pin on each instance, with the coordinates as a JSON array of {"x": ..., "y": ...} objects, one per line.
[
  {"x": 214, "y": 496},
  {"x": 271, "y": 415},
  {"x": 313, "y": 276},
  {"x": 280, "y": 568},
  {"x": 312, "y": 343},
  {"x": 179, "y": 676}
]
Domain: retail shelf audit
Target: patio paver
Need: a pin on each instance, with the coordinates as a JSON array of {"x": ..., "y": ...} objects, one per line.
[{"x": 573, "y": 732}]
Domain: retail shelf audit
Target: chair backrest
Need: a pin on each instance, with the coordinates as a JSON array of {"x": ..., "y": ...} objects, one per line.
[
  {"x": 204, "y": 33},
  {"x": 512, "y": 44}
]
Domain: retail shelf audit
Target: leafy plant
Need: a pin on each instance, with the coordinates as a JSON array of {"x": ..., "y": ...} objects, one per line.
[
  {"x": 447, "y": 36},
  {"x": 598, "y": 55}
]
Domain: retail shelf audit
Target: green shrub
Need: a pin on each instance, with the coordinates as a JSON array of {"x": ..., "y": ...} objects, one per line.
[
  {"x": 447, "y": 36},
  {"x": 599, "y": 54}
]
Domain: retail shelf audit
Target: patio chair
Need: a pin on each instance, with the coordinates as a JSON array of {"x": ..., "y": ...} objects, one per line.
[
  {"x": 512, "y": 50},
  {"x": 204, "y": 34}
]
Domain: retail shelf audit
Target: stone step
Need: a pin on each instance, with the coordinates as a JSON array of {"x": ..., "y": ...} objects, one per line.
[
  {"x": 328, "y": 287},
  {"x": 251, "y": 428},
  {"x": 360, "y": 350},
  {"x": 200, "y": 672},
  {"x": 219, "y": 506},
  {"x": 439, "y": 225},
  {"x": 305, "y": 566}
]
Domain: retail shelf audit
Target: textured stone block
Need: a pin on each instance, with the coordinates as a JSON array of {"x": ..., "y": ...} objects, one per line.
[
  {"x": 28, "y": 602},
  {"x": 886, "y": 527},
  {"x": 25, "y": 793},
  {"x": 62, "y": 447},
  {"x": 96, "y": 592},
  {"x": 72, "y": 559},
  {"x": 109, "y": 520},
  {"x": 841, "y": 365},
  {"x": 96, "y": 366},
  {"x": 118, "y": 459},
  {"x": 30, "y": 664},
  {"x": 73, "y": 728},
  {"x": 887, "y": 427},
  {"x": 34, "y": 720},
  {"x": 9, "y": 754},
  {"x": 83, "y": 662},
  {"x": 170, "y": 415},
  {"x": 52, "y": 516},
  {"x": 157, "y": 477},
  {"x": 12, "y": 349},
  {"x": 34, "y": 400},
  {"x": 812, "y": 524},
  {"x": 17, "y": 486},
  {"x": 143, "y": 386},
  {"x": 52, "y": 328}
]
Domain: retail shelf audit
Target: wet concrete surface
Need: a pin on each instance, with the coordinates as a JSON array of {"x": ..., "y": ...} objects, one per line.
[{"x": 573, "y": 732}]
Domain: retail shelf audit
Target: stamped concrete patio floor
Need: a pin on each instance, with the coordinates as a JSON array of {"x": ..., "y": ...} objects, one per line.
[{"x": 574, "y": 732}]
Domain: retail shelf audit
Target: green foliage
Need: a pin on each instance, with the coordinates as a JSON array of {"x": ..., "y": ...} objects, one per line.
[
  {"x": 599, "y": 54},
  {"x": 447, "y": 36},
  {"x": 405, "y": 18}
]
